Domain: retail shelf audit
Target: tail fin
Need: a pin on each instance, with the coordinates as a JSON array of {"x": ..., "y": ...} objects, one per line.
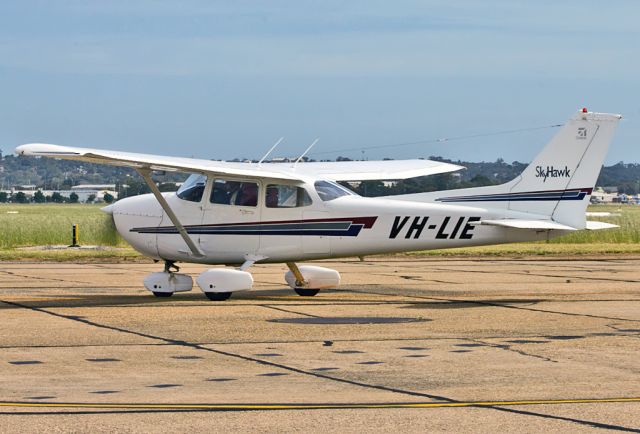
[{"x": 559, "y": 181}]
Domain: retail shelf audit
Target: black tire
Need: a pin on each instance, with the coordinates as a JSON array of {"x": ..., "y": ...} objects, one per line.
[
  {"x": 162, "y": 294},
  {"x": 306, "y": 292},
  {"x": 218, "y": 296}
]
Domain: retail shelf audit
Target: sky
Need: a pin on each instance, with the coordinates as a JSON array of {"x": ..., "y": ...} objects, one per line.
[{"x": 219, "y": 80}]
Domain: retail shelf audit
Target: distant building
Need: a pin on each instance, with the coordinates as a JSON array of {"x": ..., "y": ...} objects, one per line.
[
  {"x": 600, "y": 195},
  {"x": 94, "y": 187}
]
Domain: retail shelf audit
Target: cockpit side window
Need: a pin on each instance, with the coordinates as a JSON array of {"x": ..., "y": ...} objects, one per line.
[
  {"x": 328, "y": 190},
  {"x": 193, "y": 188},
  {"x": 239, "y": 193},
  {"x": 286, "y": 196}
]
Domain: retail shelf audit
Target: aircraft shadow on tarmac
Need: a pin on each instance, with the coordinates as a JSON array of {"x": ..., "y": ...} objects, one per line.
[
  {"x": 285, "y": 296},
  {"x": 194, "y": 298}
]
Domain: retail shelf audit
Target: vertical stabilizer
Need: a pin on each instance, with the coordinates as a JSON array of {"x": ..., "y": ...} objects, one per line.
[{"x": 559, "y": 181}]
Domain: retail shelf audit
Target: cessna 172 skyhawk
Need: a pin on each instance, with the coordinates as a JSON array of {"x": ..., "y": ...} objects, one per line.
[{"x": 240, "y": 213}]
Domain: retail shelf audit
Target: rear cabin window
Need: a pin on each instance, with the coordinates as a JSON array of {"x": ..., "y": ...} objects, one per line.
[
  {"x": 193, "y": 188},
  {"x": 330, "y": 190},
  {"x": 238, "y": 193},
  {"x": 286, "y": 196}
]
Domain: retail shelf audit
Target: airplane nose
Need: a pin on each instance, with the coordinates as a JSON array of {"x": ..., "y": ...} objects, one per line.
[{"x": 135, "y": 217}]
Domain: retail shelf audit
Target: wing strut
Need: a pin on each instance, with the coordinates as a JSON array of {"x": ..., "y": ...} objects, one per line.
[{"x": 146, "y": 175}]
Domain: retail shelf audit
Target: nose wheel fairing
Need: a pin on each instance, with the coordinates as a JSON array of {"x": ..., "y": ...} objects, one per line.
[{"x": 163, "y": 283}]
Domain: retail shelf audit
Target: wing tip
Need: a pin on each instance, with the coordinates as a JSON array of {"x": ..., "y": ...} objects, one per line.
[{"x": 45, "y": 149}]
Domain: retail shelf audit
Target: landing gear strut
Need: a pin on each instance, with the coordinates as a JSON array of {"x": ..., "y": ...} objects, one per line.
[
  {"x": 171, "y": 267},
  {"x": 299, "y": 283}
]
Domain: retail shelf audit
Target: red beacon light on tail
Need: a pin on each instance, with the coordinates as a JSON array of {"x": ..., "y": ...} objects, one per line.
[{"x": 584, "y": 110}]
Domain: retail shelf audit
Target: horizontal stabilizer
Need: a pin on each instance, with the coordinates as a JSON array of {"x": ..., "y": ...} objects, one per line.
[
  {"x": 596, "y": 226},
  {"x": 540, "y": 225}
]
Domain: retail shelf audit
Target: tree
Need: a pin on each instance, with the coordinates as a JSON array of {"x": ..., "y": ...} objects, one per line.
[
  {"x": 91, "y": 198},
  {"x": 108, "y": 198},
  {"x": 371, "y": 189},
  {"x": 20, "y": 197},
  {"x": 38, "y": 197},
  {"x": 168, "y": 186},
  {"x": 4, "y": 197},
  {"x": 134, "y": 187},
  {"x": 73, "y": 198},
  {"x": 57, "y": 197}
]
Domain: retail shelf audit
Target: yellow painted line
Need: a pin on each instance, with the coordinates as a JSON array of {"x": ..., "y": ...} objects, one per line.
[{"x": 150, "y": 406}]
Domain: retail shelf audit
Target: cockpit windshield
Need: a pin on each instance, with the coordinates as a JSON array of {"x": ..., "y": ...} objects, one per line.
[
  {"x": 329, "y": 190},
  {"x": 193, "y": 188}
]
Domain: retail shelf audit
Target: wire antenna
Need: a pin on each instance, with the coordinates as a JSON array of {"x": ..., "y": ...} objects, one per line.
[
  {"x": 307, "y": 150},
  {"x": 442, "y": 139},
  {"x": 270, "y": 150}
]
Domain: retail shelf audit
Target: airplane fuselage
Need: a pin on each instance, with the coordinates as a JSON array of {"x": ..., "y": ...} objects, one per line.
[{"x": 345, "y": 226}]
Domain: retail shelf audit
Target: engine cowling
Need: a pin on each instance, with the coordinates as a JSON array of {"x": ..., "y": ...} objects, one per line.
[
  {"x": 315, "y": 277},
  {"x": 168, "y": 283},
  {"x": 224, "y": 280}
]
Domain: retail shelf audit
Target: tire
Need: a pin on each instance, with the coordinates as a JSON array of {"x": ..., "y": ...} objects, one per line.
[
  {"x": 218, "y": 296},
  {"x": 306, "y": 292},
  {"x": 162, "y": 294}
]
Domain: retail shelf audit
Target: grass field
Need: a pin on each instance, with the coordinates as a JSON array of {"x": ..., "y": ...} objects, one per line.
[{"x": 51, "y": 224}]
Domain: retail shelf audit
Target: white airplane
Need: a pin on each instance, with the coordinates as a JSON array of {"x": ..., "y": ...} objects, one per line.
[{"x": 239, "y": 214}]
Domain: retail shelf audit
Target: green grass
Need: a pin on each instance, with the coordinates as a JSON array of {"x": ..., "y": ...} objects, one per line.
[{"x": 50, "y": 224}]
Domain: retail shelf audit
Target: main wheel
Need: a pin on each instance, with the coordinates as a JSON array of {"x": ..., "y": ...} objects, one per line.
[
  {"x": 218, "y": 296},
  {"x": 306, "y": 292},
  {"x": 162, "y": 294}
]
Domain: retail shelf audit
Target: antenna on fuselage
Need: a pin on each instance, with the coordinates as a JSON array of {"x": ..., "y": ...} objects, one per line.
[
  {"x": 270, "y": 150},
  {"x": 305, "y": 152}
]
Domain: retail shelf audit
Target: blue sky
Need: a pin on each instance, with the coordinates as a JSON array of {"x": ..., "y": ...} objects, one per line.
[{"x": 226, "y": 79}]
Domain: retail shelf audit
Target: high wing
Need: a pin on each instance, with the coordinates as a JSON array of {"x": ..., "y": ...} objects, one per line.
[{"x": 337, "y": 171}]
